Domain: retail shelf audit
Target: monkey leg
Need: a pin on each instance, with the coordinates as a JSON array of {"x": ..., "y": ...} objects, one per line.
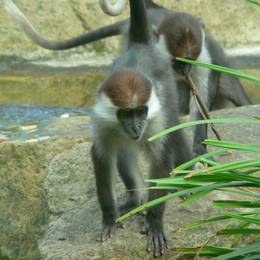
[
  {"x": 127, "y": 165},
  {"x": 103, "y": 167},
  {"x": 156, "y": 239}
]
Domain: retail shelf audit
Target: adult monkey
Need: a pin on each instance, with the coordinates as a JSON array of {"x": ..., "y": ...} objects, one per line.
[
  {"x": 178, "y": 34},
  {"x": 137, "y": 100},
  {"x": 182, "y": 35}
]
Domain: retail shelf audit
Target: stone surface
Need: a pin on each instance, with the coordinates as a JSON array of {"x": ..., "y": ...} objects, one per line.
[
  {"x": 234, "y": 23},
  {"x": 49, "y": 208}
]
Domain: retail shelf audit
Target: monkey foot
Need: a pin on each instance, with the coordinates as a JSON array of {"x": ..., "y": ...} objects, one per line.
[
  {"x": 108, "y": 231},
  {"x": 156, "y": 242}
]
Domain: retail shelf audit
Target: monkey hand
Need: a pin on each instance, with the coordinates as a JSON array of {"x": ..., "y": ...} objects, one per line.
[
  {"x": 108, "y": 231},
  {"x": 156, "y": 241}
]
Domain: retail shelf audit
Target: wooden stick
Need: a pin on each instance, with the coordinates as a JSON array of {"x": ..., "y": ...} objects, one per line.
[{"x": 201, "y": 105}]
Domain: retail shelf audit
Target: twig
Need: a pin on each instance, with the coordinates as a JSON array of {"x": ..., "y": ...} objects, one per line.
[{"x": 201, "y": 105}]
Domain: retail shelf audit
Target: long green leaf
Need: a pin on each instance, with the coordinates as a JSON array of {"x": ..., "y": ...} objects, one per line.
[
  {"x": 236, "y": 204},
  {"x": 255, "y": 248},
  {"x": 246, "y": 193},
  {"x": 178, "y": 194},
  {"x": 195, "y": 196},
  {"x": 253, "y": 257},
  {"x": 254, "y": 220},
  {"x": 227, "y": 70},
  {"x": 198, "y": 159},
  {"x": 204, "y": 251},
  {"x": 202, "y": 122},
  {"x": 231, "y": 145},
  {"x": 223, "y": 217},
  {"x": 254, "y": 2},
  {"x": 238, "y": 231}
]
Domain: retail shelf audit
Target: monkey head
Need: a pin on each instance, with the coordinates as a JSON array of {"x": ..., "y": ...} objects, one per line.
[
  {"x": 182, "y": 34},
  {"x": 128, "y": 99}
]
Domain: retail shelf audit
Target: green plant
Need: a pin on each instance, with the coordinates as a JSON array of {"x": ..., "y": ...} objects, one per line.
[{"x": 235, "y": 177}]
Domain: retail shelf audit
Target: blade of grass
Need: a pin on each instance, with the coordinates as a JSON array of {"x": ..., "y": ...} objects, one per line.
[
  {"x": 254, "y": 2},
  {"x": 255, "y": 248},
  {"x": 223, "y": 217},
  {"x": 197, "y": 159},
  {"x": 201, "y": 122},
  {"x": 226, "y": 70},
  {"x": 246, "y": 193},
  {"x": 238, "y": 231},
  {"x": 231, "y": 145},
  {"x": 195, "y": 196},
  {"x": 177, "y": 194},
  {"x": 236, "y": 204},
  {"x": 254, "y": 220},
  {"x": 204, "y": 251}
]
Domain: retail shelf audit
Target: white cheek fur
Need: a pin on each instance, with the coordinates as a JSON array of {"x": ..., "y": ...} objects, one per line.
[
  {"x": 154, "y": 106},
  {"x": 104, "y": 109}
]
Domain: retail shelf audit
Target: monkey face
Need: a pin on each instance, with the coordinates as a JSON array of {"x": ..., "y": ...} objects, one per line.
[{"x": 133, "y": 121}]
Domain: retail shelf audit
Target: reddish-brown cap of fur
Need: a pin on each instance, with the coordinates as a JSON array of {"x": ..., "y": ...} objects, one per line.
[
  {"x": 127, "y": 89},
  {"x": 183, "y": 35}
]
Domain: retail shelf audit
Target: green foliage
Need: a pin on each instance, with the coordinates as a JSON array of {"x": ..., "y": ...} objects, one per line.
[
  {"x": 227, "y": 70},
  {"x": 254, "y": 2},
  {"x": 233, "y": 177}
]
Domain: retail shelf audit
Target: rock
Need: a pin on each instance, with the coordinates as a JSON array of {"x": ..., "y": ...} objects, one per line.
[
  {"x": 49, "y": 207},
  {"x": 64, "y": 19},
  {"x": 23, "y": 205}
]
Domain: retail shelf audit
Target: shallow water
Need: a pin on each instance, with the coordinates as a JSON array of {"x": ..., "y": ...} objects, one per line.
[{"x": 29, "y": 121}]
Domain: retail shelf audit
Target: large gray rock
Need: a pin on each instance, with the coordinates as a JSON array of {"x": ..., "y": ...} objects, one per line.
[
  {"x": 63, "y": 19},
  {"x": 49, "y": 208}
]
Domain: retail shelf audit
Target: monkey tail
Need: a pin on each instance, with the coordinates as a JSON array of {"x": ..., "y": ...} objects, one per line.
[
  {"x": 139, "y": 28},
  {"x": 101, "y": 33}
]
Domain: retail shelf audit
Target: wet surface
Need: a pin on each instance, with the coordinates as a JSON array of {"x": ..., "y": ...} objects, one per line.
[{"x": 27, "y": 121}]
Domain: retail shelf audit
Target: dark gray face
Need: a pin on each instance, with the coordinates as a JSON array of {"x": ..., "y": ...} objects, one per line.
[{"x": 133, "y": 121}]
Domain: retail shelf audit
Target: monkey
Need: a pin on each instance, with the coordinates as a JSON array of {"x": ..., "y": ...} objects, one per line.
[
  {"x": 178, "y": 34},
  {"x": 182, "y": 35},
  {"x": 138, "y": 99}
]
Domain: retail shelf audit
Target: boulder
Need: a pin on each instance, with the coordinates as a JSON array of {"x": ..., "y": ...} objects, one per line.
[
  {"x": 64, "y": 19},
  {"x": 49, "y": 208}
]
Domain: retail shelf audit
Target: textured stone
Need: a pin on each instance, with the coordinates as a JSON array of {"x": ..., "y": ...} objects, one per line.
[
  {"x": 49, "y": 207},
  {"x": 234, "y": 23}
]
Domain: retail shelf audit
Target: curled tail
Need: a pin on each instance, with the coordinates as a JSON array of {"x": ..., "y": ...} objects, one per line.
[{"x": 101, "y": 33}]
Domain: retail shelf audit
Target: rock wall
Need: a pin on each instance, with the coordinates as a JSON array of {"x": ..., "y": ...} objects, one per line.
[
  {"x": 233, "y": 22},
  {"x": 49, "y": 208}
]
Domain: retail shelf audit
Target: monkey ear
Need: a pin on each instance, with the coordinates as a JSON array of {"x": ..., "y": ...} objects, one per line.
[
  {"x": 201, "y": 22},
  {"x": 155, "y": 33}
]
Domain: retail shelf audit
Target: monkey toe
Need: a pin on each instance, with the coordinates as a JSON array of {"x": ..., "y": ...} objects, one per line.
[
  {"x": 108, "y": 231},
  {"x": 156, "y": 243}
]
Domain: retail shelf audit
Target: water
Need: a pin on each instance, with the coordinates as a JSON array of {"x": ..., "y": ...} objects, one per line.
[{"x": 29, "y": 121}]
